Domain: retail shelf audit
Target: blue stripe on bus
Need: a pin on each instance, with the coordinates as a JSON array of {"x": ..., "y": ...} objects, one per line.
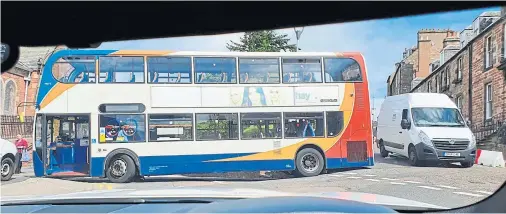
[{"x": 182, "y": 164}]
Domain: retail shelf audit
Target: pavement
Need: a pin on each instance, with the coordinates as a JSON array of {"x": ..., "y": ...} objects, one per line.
[{"x": 448, "y": 186}]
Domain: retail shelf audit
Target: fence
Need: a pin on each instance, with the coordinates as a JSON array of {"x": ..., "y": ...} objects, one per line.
[
  {"x": 10, "y": 126},
  {"x": 484, "y": 129}
]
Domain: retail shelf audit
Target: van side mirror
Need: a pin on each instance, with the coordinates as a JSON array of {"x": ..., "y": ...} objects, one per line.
[
  {"x": 405, "y": 124},
  {"x": 468, "y": 122}
]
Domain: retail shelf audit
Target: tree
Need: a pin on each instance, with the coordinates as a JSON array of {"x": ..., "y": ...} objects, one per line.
[{"x": 262, "y": 41}]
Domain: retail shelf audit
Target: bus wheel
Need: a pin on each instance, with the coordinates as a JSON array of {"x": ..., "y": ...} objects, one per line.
[
  {"x": 309, "y": 162},
  {"x": 7, "y": 168},
  {"x": 121, "y": 169}
]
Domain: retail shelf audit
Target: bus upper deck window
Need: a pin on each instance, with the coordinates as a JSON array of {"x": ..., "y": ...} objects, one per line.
[
  {"x": 258, "y": 70},
  {"x": 75, "y": 69},
  {"x": 122, "y": 69},
  {"x": 215, "y": 70},
  {"x": 342, "y": 70},
  {"x": 175, "y": 70},
  {"x": 302, "y": 70}
]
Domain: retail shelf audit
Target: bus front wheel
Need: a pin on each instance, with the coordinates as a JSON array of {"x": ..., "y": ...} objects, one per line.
[
  {"x": 121, "y": 169},
  {"x": 309, "y": 162}
]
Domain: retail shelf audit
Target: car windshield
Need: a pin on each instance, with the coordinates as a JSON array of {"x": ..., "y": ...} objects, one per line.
[
  {"x": 295, "y": 110},
  {"x": 440, "y": 117}
]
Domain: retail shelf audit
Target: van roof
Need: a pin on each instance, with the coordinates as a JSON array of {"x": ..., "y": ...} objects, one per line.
[{"x": 426, "y": 100}]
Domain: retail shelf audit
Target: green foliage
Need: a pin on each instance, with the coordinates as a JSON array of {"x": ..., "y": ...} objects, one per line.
[{"x": 262, "y": 41}]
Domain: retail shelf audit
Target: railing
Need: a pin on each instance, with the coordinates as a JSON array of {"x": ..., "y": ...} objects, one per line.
[
  {"x": 10, "y": 126},
  {"x": 484, "y": 129}
]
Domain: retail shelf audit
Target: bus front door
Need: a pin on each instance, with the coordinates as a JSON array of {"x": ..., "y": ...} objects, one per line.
[{"x": 67, "y": 145}]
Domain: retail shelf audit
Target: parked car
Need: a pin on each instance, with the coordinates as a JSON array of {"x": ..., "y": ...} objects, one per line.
[
  {"x": 8, "y": 152},
  {"x": 425, "y": 127}
]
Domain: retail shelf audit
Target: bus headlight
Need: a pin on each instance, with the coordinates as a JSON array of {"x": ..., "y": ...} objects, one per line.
[
  {"x": 425, "y": 139},
  {"x": 472, "y": 144}
]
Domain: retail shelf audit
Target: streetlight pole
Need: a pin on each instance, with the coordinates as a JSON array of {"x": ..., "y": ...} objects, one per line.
[{"x": 298, "y": 33}]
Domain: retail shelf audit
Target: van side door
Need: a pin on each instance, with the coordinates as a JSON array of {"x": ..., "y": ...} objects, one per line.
[{"x": 404, "y": 134}]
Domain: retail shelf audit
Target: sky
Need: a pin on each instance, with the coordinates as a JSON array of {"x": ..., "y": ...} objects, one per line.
[{"x": 381, "y": 42}]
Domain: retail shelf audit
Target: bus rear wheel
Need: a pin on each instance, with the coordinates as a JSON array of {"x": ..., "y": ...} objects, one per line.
[
  {"x": 121, "y": 169},
  {"x": 309, "y": 162}
]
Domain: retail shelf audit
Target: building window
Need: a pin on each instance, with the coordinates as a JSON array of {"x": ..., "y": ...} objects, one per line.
[
  {"x": 122, "y": 128},
  {"x": 504, "y": 42},
  {"x": 437, "y": 84},
  {"x": 447, "y": 77},
  {"x": 302, "y": 70},
  {"x": 10, "y": 98},
  {"x": 488, "y": 101},
  {"x": 221, "y": 126},
  {"x": 170, "y": 127},
  {"x": 460, "y": 65},
  {"x": 304, "y": 124},
  {"x": 458, "y": 102},
  {"x": 260, "y": 125},
  {"x": 429, "y": 86},
  {"x": 489, "y": 51},
  {"x": 121, "y": 69},
  {"x": 259, "y": 70}
]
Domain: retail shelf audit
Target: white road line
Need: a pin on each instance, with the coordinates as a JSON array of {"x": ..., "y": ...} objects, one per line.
[
  {"x": 469, "y": 194},
  {"x": 219, "y": 182},
  {"x": 397, "y": 183},
  {"x": 353, "y": 177},
  {"x": 485, "y": 192},
  {"x": 428, "y": 187},
  {"x": 349, "y": 173},
  {"x": 390, "y": 179},
  {"x": 375, "y": 180},
  {"x": 412, "y": 182},
  {"x": 448, "y": 187},
  {"x": 370, "y": 175},
  {"x": 336, "y": 175}
]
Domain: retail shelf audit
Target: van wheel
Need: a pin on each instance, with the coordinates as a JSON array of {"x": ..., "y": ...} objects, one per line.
[
  {"x": 7, "y": 168},
  {"x": 413, "y": 157},
  {"x": 121, "y": 169},
  {"x": 309, "y": 162},
  {"x": 383, "y": 151}
]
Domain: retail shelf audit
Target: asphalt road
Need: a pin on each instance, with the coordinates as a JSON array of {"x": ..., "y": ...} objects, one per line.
[{"x": 439, "y": 185}]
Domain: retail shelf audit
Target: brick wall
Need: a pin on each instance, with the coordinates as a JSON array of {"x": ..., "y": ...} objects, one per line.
[
  {"x": 20, "y": 88},
  {"x": 493, "y": 75}
]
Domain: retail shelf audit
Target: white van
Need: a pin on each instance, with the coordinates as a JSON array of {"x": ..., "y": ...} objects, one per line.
[
  {"x": 8, "y": 152},
  {"x": 425, "y": 127}
]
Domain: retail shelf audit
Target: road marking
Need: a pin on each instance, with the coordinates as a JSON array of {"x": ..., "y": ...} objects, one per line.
[
  {"x": 349, "y": 173},
  {"x": 336, "y": 175},
  {"x": 219, "y": 182},
  {"x": 397, "y": 183},
  {"x": 390, "y": 179},
  {"x": 428, "y": 187},
  {"x": 370, "y": 175},
  {"x": 375, "y": 180},
  {"x": 469, "y": 194},
  {"x": 353, "y": 177},
  {"x": 448, "y": 187},
  {"x": 485, "y": 192},
  {"x": 413, "y": 182}
]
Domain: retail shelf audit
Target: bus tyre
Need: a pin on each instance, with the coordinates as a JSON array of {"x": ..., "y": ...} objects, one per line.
[
  {"x": 121, "y": 169},
  {"x": 7, "y": 168},
  {"x": 383, "y": 151},
  {"x": 309, "y": 162}
]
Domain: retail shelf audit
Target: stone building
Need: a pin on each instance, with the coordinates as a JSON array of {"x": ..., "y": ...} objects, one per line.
[{"x": 414, "y": 66}]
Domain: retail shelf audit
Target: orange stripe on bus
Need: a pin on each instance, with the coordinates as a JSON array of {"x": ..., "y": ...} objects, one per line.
[{"x": 56, "y": 91}]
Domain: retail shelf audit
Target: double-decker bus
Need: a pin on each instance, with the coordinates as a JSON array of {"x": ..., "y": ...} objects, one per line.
[{"x": 127, "y": 114}]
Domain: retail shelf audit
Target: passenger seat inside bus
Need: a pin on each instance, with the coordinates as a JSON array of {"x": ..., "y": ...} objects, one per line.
[{"x": 155, "y": 76}]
